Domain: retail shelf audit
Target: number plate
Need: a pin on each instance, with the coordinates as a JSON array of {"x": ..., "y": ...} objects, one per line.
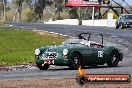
[{"x": 49, "y": 61}]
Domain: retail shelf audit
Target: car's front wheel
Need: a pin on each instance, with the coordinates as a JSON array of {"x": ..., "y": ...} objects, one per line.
[
  {"x": 43, "y": 67},
  {"x": 113, "y": 62},
  {"x": 76, "y": 61}
]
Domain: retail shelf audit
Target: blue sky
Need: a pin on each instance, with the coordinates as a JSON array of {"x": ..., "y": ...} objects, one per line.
[{"x": 128, "y": 1}]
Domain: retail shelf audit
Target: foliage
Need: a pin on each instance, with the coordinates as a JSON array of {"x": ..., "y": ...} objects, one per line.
[
  {"x": 58, "y": 4},
  {"x": 3, "y": 8},
  {"x": 18, "y": 4},
  {"x": 38, "y": 10},
  {"x": 9, "y": 15},
  {"x": 39, "y": 7},
  {"x": 48, "y": 14},
  {"x": 17, "y": 46},
  {"x": 64, "y": 15},
  {"x": 114, "y": 16},
  {"x": 73, "y": 13},
  {"x": 28, "y": 15}
]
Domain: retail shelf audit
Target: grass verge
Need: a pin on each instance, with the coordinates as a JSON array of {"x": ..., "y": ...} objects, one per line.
[
  {"x": 17, "y": 46},
  {"x": 3, "y": 24}
]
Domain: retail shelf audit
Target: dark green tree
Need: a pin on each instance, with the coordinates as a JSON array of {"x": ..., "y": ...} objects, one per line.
[
  {"x": 39, "y": 7},
  {"x": 59, "y": 5}
]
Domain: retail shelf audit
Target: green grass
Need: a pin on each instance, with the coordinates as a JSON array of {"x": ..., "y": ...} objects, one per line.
[
  {"x": 3, "y": 24},
  {"x": 17, "y": 46}
]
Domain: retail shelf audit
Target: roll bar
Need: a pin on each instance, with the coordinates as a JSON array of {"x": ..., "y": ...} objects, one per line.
[{"x": 81, "y": 37}]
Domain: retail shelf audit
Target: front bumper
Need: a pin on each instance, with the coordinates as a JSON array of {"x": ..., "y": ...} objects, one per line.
[
  {"x": 128, "y": 24},
  {"x": 53, "y": 58}
]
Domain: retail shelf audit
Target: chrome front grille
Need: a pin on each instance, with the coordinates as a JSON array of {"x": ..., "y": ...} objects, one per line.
[
  {"x": 129, "y": 23},
  {"x": 49, "y": 55}
]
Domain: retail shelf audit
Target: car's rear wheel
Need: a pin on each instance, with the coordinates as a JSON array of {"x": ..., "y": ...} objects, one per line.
[
  {"x": 113, "y": 62},
  {"x": 43, "y": 67},
  {"x": 122, "y": 26},
  {"x": 76, "y": 61}
]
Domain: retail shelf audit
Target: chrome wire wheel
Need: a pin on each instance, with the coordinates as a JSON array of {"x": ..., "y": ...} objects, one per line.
[
  {"x": 114, "y": 59},
  {"x": 113, "y": 62},
  {"x": 76, "y": 61}
]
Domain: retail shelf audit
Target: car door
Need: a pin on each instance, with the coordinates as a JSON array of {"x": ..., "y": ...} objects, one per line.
[
  {"x": 93, "y": 55},
  {"x": 88, "y": 55},
  {"x": 99, "y": 55}
]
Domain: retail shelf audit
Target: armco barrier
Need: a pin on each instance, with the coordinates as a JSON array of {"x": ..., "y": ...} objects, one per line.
[
  {"x": 65, "y": 21},
  {"x": 101, "y": 22}
]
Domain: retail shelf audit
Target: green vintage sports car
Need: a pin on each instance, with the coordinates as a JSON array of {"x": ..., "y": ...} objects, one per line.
[{"x": 78, "y": 51}]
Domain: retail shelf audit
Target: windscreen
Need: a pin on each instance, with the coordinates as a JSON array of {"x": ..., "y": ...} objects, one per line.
[
  {"x": 96, "y": 38},
  {"x": 128, "y": 16},
  {"x": 75, "y": 41},
  {"x": 92, "y": 37}
]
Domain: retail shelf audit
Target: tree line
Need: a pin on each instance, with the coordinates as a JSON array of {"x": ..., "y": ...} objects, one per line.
[
  {"x": 42, "y": 10},
  {"x": 36, "y": 9}
]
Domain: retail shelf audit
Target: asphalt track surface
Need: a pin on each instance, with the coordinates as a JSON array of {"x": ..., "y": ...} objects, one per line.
[{"x": 120, "y": 38}]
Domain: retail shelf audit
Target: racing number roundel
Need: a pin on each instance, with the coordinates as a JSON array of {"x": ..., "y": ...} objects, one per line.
[{"x": 100, "y": 53}]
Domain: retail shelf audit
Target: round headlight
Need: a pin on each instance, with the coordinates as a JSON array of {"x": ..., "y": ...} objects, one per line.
[
  {"x": 37, "y": 51},
  {"x": 65, "y": 51},
  {"x": 127, "y": 22}
]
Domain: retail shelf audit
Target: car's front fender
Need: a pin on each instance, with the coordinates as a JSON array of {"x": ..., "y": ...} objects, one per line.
[{"x": 110, "y": 49}]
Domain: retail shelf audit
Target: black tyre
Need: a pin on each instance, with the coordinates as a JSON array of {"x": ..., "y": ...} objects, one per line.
[
  {"x": 76, "y": 61},
  {"x": 117, "y": 26},
  {"x": 113, "y": 62},
  {"x": 122, "y": 26},
  {"x": 44, "y": 67}
]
